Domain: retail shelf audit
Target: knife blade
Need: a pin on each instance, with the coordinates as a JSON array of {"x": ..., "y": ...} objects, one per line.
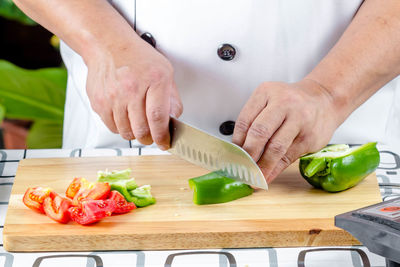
[{"x": 214, "y": 154}]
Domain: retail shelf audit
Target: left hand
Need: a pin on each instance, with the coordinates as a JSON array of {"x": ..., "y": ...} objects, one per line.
[{"x": 282, "y": 121}]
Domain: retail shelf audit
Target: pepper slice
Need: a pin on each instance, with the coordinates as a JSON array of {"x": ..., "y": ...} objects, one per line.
[
  {"x": 35, "y": 196},
  {"x": 338, "y": 167},
  {"x": 56, "y": 207},
  {"x": 121, "y": 205},
  {"x": 215, "y": 188},
  {"x": 92, "y": 211},
  {"x": 142, "y": 196},
  {"x": 119, "y": 181}
]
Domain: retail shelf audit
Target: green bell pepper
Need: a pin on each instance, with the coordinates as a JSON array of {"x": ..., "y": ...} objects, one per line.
[
  {"x": 338, "y": 167},
  {"x": 142, "y": 196},
  {"x": 114, "y": 176},
  {"x": 215, "y": 188},
  {"x": 121, "y": 181}
]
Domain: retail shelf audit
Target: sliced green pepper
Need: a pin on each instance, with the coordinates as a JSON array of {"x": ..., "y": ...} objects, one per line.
[
  {"x": 114, "y": 175},
  {"x": 215, "y": 188},
  {"x": 142, "y": 196},
  {"x": 338, "y": 167},
  {"x": 120, "y": 181}
]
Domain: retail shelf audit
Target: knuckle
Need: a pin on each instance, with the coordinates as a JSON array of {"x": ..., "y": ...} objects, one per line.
[
  {"x": 305, "y": 139},
  {"x": 156, "y": 74},
  {"x": 290, "y": 98},
  {"x": 124, "y": 131},
  {"x": 308, "y": 116},
  {"x": 97, "y": 104},
  {"x": 112, "y": 93},
  {"x": 286, "y": 160},
  {"x": 125, "y": 83},
  {"x": 242, "y": 125},
  {"x": 265, "y": 85},
  {"x": 157, "y": 114},
  {"x": 277, "y": 148},
  {"x": 142, "y": 133},
  {"x": 131, "y": 86},
  {"x": 259, "y": 130}
]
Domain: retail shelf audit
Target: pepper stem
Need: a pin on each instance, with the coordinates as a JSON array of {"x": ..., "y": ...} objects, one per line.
[{"x": 316, "y": 165}]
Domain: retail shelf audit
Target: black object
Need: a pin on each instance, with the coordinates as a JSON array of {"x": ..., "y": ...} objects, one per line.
[
  {"x": 226, "y": 52},
  {"x": 27, "y": 46},
  {"x": 149, "y": 39},
  {"x": 377, "y": 227},
  {"x": 226, "y": 128}
]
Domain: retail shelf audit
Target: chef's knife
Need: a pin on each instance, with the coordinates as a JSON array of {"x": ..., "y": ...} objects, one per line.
[{"x": 214, "y": 154}]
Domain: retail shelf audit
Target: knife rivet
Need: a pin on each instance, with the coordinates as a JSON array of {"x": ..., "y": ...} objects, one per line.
[{"x": 226, "y": 128}]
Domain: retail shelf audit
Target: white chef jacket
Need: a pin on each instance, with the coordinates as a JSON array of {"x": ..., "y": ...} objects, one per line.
[{"x": 274, "y": 40}]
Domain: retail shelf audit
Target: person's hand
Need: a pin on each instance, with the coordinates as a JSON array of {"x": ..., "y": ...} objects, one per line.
[
  {"x": 282, "y": 121},
  {"x": 132, "y": 88}
]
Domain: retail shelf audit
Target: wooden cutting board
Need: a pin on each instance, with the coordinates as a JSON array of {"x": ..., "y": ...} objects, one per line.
[{"x": 291, "y": 213}]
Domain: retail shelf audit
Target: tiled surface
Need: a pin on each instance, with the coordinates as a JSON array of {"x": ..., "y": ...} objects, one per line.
[
  {"x": 5, "y": 191},
  {"x": 49, "y": 153},
  {"x": 8, "y": 169},
  {"x": 153, "y": 151},
  {"x": 105, "y": 152},
  {"x": 3, "y": 210},
  {"x": 388, "y": 176},
  {"x": 12, "y": 154}
]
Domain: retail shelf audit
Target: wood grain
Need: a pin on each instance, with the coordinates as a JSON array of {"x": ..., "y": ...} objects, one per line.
[{"x": 290, "y": 213}]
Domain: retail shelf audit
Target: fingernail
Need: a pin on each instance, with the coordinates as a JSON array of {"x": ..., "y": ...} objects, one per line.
[
  {"x": 175, "y": 108},
  {"x": 163, "y": 147},
  {"x": 128, "y": 136},
  {"x": 174, "y": 113}
]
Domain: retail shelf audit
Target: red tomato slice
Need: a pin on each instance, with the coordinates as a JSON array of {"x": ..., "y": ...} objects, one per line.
[
  {"x": 92, "y": 211},
  {"x": 121, "y": 205},
  {"x": 98, "y": 191},
  {"x": 76, "y": 185},
  {"x": 34, "y": 197},
  {"x": 56, "y": 207}
]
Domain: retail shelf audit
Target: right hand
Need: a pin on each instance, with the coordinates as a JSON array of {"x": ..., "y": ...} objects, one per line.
[{"x": 131, "y": 86}]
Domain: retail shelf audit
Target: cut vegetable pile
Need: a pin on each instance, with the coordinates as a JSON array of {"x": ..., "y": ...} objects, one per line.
[{"x": 86, "y": 202}]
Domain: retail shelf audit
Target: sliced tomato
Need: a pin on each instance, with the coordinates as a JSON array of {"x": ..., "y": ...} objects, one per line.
[
  {"x": 121, "y": 205},
  {"x": 76, "y": 214},
  {"x": 92, "y": 211},
  {"x": 98, "y": 191},
  {"x": 76, "y": 185},
  {"x": 34, "y": 197},
  {"x": 56, "y": 207}
]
